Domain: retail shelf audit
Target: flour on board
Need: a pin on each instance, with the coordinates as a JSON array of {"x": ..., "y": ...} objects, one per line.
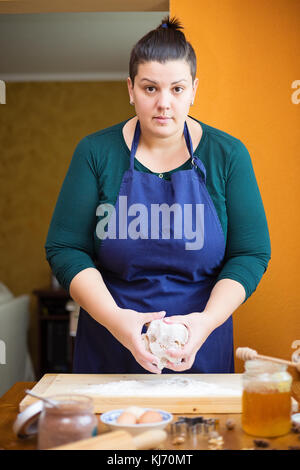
[{"x": 175, "y": 387}]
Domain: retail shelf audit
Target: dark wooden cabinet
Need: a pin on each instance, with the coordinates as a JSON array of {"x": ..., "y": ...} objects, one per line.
[{"x": 55, "y": 345}]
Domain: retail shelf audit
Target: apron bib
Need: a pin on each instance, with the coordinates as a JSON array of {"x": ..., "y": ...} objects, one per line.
[{"x": 163, "y": 250}]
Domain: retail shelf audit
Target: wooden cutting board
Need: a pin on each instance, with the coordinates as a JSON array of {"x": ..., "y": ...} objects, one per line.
[{"x": 210, "y": 393}]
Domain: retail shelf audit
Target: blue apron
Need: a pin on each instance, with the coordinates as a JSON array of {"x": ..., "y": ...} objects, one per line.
[{"x": 150, "y": 266}]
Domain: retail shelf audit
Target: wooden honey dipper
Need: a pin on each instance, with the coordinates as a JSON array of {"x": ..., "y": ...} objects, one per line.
[{"x": 247, "y": 354}]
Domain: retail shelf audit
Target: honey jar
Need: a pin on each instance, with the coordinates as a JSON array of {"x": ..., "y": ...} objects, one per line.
[
  {"x": 266, "y": 400},
  {"x": 70, "y": 420}
]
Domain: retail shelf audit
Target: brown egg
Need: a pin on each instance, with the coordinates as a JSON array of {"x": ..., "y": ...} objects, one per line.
[
  {"x": 150, "y": 416},
  {"x": 126, "y": 418}
]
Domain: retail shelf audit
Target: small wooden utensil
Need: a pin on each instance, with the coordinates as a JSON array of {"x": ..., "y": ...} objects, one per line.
[
  {"x": 46, "y": 400},
  {"x": 118, "y": 440},
  {"x": 247, "y": 354}
]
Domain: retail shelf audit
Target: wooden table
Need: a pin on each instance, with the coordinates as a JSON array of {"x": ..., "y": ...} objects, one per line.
[{"x": 233, "y": 440}]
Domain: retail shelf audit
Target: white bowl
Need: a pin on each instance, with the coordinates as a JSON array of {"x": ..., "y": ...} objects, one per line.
[{"x": 110, "y": 419}]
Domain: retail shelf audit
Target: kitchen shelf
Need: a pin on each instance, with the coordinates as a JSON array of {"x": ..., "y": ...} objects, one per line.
[{"x": 55, "y": 344}]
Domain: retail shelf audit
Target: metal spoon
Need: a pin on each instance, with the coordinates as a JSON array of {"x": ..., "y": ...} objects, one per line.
[{"x": 47, "y": 400}]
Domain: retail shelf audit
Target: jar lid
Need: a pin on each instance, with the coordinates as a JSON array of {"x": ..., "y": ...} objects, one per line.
[
  {"x": 260, "y": 365},
  {"x": 27, "y": 421}
]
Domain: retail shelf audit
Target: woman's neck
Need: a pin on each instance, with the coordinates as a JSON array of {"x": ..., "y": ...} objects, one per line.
[{"x": 168, "y": 145}]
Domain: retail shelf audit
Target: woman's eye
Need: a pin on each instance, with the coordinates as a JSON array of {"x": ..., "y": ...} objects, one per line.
[{"x": 151, "y": 89}]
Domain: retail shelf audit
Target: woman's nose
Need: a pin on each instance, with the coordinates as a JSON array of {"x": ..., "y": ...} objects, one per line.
[{"x": 164, "y": 100}]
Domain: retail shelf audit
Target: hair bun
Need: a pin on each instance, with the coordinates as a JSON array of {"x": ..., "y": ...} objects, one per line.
[
  {"x": 164, "y": 43},
  {"x": 170, "y": 23}
]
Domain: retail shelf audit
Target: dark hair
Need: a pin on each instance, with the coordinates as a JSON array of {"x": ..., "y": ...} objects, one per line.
[{"x": 164, "y": 43}]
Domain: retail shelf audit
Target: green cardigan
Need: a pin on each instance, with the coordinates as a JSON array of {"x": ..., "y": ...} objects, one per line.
[{"x": 94, "y": 177}]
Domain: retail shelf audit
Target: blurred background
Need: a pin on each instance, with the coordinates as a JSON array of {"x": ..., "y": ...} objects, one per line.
[{"x": 64, "y": 68}]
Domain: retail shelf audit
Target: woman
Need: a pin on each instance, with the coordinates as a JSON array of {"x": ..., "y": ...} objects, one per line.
[{"x": 158, "y": 216}]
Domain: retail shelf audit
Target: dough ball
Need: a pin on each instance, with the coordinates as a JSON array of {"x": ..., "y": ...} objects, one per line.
[{"x": 162, "y": 336}]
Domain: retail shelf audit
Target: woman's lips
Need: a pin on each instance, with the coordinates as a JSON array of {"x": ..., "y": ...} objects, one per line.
[{"x": 162, "y": 120}]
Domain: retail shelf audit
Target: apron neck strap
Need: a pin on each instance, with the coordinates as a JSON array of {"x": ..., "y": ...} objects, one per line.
[
  {"x": 188, "y": 139},
  {"x": 135, "y": 143}
]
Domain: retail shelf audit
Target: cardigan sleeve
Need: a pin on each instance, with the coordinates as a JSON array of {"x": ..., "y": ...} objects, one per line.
[
  {"x": 248, "y": 247},
  {"x": 69, "y": 244}
]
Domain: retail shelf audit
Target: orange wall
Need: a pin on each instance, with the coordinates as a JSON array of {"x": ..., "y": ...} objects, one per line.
[{"x": 247, "y": 61}]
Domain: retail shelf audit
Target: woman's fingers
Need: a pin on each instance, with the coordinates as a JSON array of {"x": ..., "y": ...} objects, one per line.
[
  {"x": 148, "y": 361},
  {"x": 178, "y": 367},
  {"x": 185, "y": 355},
  {"x": 180, "y": 353},
  {"x": 150, "y": 316},
  {"x": 145, "y": 357},
  {"x": 185, "y": 364},
  {"x": 175, "y": 319},
  {"x": 150, "y": 367}
]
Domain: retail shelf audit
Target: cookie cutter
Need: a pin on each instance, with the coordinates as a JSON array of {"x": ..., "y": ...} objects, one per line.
[{"x": 196, "y": 425}]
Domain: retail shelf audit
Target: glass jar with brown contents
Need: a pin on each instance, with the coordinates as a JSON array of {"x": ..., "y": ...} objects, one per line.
[
  {"x": 266, "y": 400},
  {"x": 71, "y": 420}
]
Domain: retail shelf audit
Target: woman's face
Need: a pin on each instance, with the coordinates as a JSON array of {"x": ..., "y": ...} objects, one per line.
[{"x": 162, "y": 91}]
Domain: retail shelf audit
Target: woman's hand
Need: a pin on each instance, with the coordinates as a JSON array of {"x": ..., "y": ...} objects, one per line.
[
  {"x": 199, "y": 327},
  {"x": 127, "y": 327}
]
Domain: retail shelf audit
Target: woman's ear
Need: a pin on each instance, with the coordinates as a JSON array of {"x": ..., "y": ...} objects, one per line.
[
  {"x": 195, "y": 86},
  {"x": 130, "y": 89}
]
